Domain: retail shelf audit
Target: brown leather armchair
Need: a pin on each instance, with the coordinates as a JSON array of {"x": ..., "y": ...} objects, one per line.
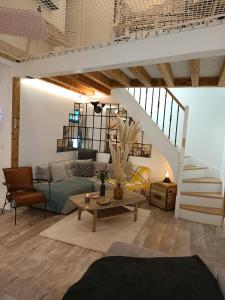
[{"x": 20, "y": 188}]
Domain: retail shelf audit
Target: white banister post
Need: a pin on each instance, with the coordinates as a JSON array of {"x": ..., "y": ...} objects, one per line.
[{"x": 181, "y": 161}]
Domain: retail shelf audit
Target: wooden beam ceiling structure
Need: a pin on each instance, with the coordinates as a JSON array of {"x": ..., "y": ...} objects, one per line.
[
  {"x": 104, "y": 81},
  {"x": 221, "y": 80},
  {"x": 194, "y": 66},
  {"x": 67, "y": 83},
  {"x": 119, "y": 76},
  {"x": 167, "y": 74},
  {"x": 90, "y": 83},
  {"x": 142, "y": 75},
  {"x": 100, "y": 78}
]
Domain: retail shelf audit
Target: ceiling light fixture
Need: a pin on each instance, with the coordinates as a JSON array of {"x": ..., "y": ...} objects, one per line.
[{"x": 97, "y": 106}]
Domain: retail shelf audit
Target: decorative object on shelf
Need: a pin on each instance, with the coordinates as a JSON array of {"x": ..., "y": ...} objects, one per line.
[
  {"x": 87, "y": 198},
  {"x": 102, "y": 175},
  {"x": 167, "y": 179},
  {"x": 127, "y": 133},
  {"x": 118, "y": 192},
  {"x": 163, "y": 195}
]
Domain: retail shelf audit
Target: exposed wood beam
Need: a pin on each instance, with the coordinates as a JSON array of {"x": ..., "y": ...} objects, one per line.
[
  {"x": 142, "y": 75},
  {"x": 15, "y": 122},
  {"x": 178, "y": 82},
  {"x": 100, "y": 78},
  {"x": 194, "y": 66},
  {"x": 82, "y": 79},
  {"x": 68, "y": 84},
  {"x": 221, "y": 81},
  {"x": 167, "y": 74},
  {"x": 119, "y": 76}
]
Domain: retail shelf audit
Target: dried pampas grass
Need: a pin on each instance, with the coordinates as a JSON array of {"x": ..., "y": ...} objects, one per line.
[{"x": 127, "y": 133}]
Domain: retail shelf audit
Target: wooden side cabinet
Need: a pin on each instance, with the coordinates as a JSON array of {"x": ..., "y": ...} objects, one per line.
[{"x": 163, "y": 195}]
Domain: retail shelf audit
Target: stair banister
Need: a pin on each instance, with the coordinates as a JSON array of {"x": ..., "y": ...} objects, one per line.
[{"x": 181, "y": 161}]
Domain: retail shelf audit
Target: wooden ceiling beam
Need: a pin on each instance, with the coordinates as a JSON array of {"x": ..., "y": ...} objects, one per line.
[
  {"x": 119, "y": 76},
  {"x": 142, "y": 75},
  {"x": 167, "y": 74},
  {"x": 90, "y": 83},
  {"x": 64, "y": 82},
  {"x": 194, "y": 66},
  {"x": 100, "y": 78},
  {"x": 221, "y": 81},
  {"x": 178, "y": 82}
]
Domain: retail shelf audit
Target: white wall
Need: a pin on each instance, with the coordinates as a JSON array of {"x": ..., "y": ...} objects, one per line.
[
  {"x": 206, "y": 124},
  {"x": 152, "y": 133},
  {"x": 44, "y": 109},
  {"x": 5, "y": 125}
]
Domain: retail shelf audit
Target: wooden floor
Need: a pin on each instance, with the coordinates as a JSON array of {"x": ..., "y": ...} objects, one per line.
[{"x": 34, "y": 267}]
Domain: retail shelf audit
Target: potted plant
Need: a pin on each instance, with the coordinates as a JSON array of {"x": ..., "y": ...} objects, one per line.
[{"x": 102, "y": 175}]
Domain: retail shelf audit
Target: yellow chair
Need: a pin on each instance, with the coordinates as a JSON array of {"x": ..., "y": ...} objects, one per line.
[{"x": 139, "y": 179}]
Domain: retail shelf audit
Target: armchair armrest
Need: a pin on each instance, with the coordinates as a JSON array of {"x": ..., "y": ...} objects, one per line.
[{"x": 39, "y": 180}]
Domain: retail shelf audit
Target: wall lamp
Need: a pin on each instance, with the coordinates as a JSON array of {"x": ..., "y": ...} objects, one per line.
[{"x": 97, "y": 106}]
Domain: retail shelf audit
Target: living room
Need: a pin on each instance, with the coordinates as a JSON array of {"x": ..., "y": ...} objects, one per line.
[{"x": 66, "y": 113}]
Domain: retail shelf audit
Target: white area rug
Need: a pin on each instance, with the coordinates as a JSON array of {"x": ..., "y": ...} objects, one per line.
[{"x": 120, "y": 228}]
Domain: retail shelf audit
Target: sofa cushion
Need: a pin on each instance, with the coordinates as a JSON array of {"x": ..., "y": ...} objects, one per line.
[
  {"x": 71, "y": 168},
  {"x": 43, "y": 172},
  {"x": 87, "y": 154},
  {"x": 171, "y": 278},
  {"x": 98, "y": 166},
  {"x": 58, "y": 171},
  {"x": 125, "y": 249},
  {"x": 85, "y": 169},
  {"x": 221, "y": 280},
  {"x": 111, "y": 171}
]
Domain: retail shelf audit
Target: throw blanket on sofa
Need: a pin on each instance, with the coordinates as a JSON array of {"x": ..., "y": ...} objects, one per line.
[
  {"x": 131, "y": 278},
  {"x": 61, "y": 190}
]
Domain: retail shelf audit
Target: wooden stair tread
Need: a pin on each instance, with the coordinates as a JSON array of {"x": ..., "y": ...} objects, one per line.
[
  {"x": 202, "y": 180},
  {"x": 203, "y": 209},
  {"x": 193, "y": 167},
  {"x": 203, "y": 194}
]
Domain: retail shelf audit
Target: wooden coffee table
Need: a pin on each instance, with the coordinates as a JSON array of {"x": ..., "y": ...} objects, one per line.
[{"x": 114, "y": 208}]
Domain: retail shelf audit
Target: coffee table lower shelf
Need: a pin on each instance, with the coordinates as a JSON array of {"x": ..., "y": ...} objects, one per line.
[{"x": 109, "y": 213}]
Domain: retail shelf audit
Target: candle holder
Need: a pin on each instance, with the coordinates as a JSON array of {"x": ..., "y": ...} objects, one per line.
[
  {"x": 167, "y": 179},
  {"x": 87, "y": 198}
]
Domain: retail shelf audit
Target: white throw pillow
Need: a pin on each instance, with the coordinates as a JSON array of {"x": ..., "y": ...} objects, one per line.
[{"x": 58, "y": 171}]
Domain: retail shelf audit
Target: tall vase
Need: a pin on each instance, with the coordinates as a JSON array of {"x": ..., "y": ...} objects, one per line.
[
  {"x": 102, "y": 189},
  {"x": 118, "y": 192}
]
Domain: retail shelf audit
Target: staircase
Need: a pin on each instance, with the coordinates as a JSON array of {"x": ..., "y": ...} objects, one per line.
[
  {"x": 164, "y": 120},
  {"x": 201, "y": 198}
]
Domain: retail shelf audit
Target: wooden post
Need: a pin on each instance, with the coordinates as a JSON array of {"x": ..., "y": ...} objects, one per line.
[{"x": 15, "y": 122}]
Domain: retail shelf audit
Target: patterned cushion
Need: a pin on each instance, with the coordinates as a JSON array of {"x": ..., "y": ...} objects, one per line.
[
  {"x": 85, "y": 169},
  {"x": 58, "y": 171},
  {"x": 43, "y": 172}
]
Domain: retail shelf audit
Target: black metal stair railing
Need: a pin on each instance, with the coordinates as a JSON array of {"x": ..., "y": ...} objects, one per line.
[{"x": 164, "y": 109}]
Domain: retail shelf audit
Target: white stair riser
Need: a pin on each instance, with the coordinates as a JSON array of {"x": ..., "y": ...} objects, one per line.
[
  {"x": 188, "y": 161},
  {"x": 201, "y": 201},
  {"x": 197, "y": 173},
  {"x": 201, "y": 217},
  {"x": 201, "y": 187}
]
